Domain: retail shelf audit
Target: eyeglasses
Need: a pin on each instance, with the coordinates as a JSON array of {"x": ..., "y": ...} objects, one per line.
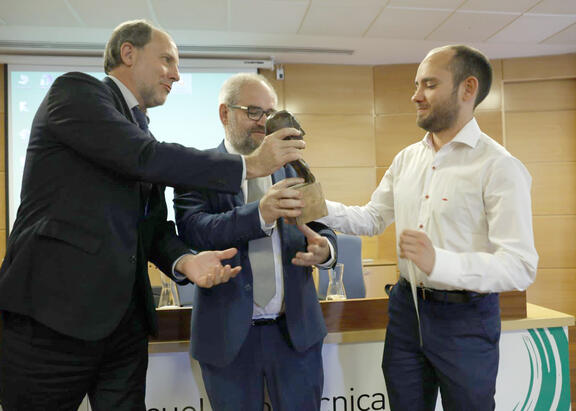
[{"x": 254, "y": 112}]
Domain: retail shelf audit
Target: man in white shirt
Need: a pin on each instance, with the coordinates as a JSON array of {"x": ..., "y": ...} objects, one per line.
[
  {"x": 265, "y": 325},
  {"x": 462, "y": 208}
]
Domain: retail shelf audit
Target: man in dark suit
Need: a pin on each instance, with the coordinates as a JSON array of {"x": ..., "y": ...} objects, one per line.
[
  {"x": 265, "y": 325},
  {"x": 74, "y": 290}
]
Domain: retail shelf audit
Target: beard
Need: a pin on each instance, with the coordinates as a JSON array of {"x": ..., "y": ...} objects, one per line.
[
  {"x": 442, "y": 116},
  {"x": 242, "y": 139}
]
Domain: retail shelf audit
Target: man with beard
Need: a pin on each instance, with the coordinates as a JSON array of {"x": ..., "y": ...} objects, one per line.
[
  {"x": 462, "y": 208},
  {"x": 266, "y": 324}
]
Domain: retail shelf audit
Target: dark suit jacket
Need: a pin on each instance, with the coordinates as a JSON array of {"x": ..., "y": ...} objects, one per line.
[
  {"x": 221, "y": 316},
  {"x": 81, "y": 242}
]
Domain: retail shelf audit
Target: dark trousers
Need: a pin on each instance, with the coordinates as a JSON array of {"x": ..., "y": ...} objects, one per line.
[
  {"x": 294, "y": 379},
  {"x": 459, "y": 354},
  {"x": 43, "y": 370}
]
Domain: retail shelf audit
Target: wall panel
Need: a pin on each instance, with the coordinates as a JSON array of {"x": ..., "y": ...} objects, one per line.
[
  {"x": 394, "y": 132},
  {"x": 555, "y": 241},
  {"x": 554, "y": 288},
  {"x": 393, "y": 88},
  {"x": 530, "y": 68},
  {"x": 542, "y": 135},
  {"x": 553, "y": 188},
  {"x": 545, "y": 95},
  {"x": 351, "y": 186},
  {"x": 2, "y": 243},
  {"x": 326, "y": 89},
  {"x": 338, "y": 140},
  {"x": 3, "y": 200},
  {"x": 491, "y": 123}
]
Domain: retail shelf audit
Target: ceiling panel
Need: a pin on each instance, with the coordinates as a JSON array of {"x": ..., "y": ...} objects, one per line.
[
  {"x": 515, "y": 6},
  {"x": 340, "y": 19},
  {"x": 40, "y": 13},
  {"x": 262, "y": 16},
  {"x": 411, "y": 24},
  {"x": 566, "y": 36},
  {"x": 427, "y": 4},
  {"x": 555, "y": 7},
  {"x": 191, "y": 14},
  {"x": 99, "y": 15},
  {"x": 471, "y": 26},
  {"x": 532, "y": 29}
]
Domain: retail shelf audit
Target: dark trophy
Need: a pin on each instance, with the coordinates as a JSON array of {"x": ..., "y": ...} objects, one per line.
[{"x": 315, "y": 205}]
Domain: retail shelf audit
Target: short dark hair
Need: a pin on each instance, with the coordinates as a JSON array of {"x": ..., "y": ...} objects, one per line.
[
  {"x": 137, "y": 32},
  {"x": 468, "y": 61}
]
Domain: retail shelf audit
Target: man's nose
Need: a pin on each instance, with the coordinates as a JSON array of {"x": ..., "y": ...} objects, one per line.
[{"x": 174, "y": 74}]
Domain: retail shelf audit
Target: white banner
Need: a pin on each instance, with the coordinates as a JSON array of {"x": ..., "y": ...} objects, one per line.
[{"x": 533, "y": 375}]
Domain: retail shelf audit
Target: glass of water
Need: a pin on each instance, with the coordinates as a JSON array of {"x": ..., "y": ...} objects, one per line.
[{"x": 336, "y": 289}]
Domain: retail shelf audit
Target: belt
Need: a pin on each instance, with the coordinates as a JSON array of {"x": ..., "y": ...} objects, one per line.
[
  {"x": 445, "y": 296},
  {"x": 267, "y": 321}
]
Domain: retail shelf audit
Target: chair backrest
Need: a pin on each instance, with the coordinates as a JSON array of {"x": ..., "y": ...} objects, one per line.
[
  {"x": 349, "y": 254},
  {"x": 186, "y": 294}
]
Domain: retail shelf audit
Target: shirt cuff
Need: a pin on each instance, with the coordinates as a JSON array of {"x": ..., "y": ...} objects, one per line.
[
  {"x": 267, "y": 228},
  {"x": 331, "y": 260},
  {"x": 446, "y": 267},
  {"x": 178, "y": 276}
]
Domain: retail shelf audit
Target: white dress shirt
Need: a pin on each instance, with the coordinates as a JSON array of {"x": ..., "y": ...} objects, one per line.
[
  {"x": 276, "y": 304},
  {"x": 472, "y": 199}
]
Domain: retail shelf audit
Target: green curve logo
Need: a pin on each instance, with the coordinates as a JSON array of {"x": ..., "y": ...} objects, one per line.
[{"x": 549, "y": 387}]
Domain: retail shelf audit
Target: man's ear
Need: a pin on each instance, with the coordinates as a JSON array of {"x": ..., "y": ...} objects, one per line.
[
  {"x": 224, "y": 113},
  {"x": 128, "y": 53},
  {"x": 470, "y": 88}
]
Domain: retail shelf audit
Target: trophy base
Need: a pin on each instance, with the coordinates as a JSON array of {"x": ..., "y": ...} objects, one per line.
[{"x": 315, "y": 204}]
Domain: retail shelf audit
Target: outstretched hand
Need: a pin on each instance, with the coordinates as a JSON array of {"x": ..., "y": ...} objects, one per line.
[
  {"x": 205, "y": 269},
  {"x": 317, "y": 252}
]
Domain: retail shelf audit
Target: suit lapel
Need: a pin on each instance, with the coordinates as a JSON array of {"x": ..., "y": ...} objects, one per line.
[
  {"x": 238, "y": 198},
  {"x": 122, "y": 105},
  {"x": 279, "y": 175}
]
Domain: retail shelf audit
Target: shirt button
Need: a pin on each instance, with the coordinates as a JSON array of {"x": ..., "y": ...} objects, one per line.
[
  {"x": 248, "y": 287},
  {"x": 427, "y": 196},
  {"x": 433, "y": 167},
  {"x": 420, "y": 226},
  {"x": 133, "y": 259}
]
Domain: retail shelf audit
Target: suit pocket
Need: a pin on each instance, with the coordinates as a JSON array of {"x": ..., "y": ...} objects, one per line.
[{"x": 77, "y": 236}]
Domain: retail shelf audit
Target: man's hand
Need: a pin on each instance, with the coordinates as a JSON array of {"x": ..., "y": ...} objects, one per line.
[
  {"x": 281, "y": 201},
  {"x": 273, "y": 153},
  {"x": 318, "y": 250},
  {"x": 205, "y": 269},
  {"x": 417, "y": 247}
]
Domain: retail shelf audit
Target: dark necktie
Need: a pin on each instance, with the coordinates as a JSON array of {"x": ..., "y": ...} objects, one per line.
[{"x": 140, "y": 118}]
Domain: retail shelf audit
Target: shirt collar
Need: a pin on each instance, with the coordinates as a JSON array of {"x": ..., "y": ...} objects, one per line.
[
  {"x": 469, "y": 135},
  {"x": 126, "y": 93},
  {"x": 229, "y": 147}
]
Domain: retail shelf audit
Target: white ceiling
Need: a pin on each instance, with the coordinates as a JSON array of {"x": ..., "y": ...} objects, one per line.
[{"x": 298, "y": 31}]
